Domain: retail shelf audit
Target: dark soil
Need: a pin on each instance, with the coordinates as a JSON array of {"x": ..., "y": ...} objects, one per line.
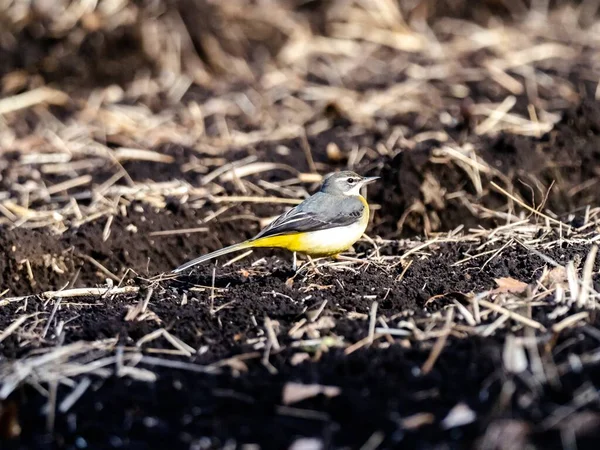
[
  {"x": 383, "y": 387},
  {"x": 386, "y": 400},
  {"x": 272, "y": 295}
]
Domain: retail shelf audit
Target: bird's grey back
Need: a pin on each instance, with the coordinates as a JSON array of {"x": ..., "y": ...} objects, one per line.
[
  {"x": 326, "y": 204},
  {"x": 318, "y": 212}
]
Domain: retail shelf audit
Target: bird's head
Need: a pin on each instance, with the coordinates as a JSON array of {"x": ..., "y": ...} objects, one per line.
[{"x": 345, "y": 183}]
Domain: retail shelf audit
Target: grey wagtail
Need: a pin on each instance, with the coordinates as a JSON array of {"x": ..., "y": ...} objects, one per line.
[{"x": 325, "y": 224}]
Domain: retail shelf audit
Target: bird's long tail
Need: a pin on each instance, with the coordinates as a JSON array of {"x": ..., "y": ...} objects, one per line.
[{"x": 215, "y": 254}]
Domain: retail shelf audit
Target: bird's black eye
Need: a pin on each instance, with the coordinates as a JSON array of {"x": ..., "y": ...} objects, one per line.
[{"x": 352, "y": 180}]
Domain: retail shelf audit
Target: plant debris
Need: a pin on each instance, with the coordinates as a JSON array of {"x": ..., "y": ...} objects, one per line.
[{"x": 136, "y": 136}]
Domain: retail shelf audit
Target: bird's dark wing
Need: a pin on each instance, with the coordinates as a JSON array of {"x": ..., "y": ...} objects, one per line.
[{"x": 319, "y": 212}]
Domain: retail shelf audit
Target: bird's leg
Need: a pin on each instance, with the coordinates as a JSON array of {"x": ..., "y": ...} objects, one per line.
[
  {"x": 339, "y": 257},
  {"x": 294, "y": 263}
]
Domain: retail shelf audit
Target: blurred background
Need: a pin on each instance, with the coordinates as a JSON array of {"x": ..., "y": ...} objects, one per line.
[
  {"x": 172, "y": 90},
  {"x": 92, "y": 43}
]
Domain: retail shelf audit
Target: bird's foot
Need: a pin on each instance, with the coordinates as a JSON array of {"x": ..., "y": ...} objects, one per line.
[{"x": 341, "y": 258}]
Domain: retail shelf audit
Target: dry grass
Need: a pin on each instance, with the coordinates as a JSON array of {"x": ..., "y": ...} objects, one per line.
[
  {"x": 110, "y": 125},
  {"x": 507, "y": 309},
  {"x": 375, "y": 62}
]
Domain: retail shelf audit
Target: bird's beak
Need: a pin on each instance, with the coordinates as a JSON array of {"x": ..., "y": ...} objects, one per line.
[{"x": 369, "y": 180}]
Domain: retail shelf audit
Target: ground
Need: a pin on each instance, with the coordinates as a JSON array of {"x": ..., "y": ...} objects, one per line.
[{"x": 465, "y": 318}]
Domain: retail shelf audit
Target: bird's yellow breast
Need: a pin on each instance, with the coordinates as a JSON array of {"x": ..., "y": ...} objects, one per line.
[{"x": 325, "y": 242}]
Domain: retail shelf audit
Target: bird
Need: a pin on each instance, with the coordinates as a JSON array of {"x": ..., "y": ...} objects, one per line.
[{"x": 325, "y": 224}]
